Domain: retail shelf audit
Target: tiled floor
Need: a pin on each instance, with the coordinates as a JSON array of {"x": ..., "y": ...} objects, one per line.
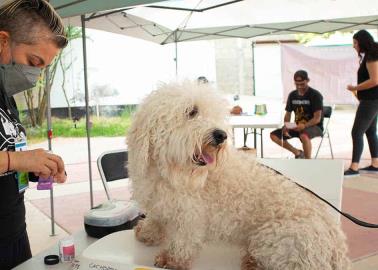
[{"x": 360, "y": 194}]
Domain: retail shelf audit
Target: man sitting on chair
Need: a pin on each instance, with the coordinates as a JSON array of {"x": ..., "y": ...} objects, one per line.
[{"x": 307, "y": 104}]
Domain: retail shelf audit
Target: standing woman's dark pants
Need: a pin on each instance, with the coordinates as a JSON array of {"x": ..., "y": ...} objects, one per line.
[{"x": 365, "y": 122}]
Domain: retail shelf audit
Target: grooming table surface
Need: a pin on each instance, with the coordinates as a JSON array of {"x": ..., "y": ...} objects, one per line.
[{"x": 121, "y": 250}]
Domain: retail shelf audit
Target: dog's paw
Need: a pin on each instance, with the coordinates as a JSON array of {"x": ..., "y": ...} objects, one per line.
[
  {"x": 249, "y": 263},
  {"x": 163, "y": 260},
  {"x": 149, "y": 238}
]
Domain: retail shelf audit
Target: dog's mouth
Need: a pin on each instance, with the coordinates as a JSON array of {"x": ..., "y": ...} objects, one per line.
[
  {"x": 212, "y": 143},
  {"x": 203, "y": 159}
]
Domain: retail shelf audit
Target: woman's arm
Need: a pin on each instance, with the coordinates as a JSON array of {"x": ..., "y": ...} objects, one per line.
[
  {"x": 3, "y": 162},
  {"x": 372, "y": 68},
  {"x": 38, "y": 161}
]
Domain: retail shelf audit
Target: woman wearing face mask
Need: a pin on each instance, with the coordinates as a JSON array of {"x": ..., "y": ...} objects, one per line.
[
  {"x": 365, "y": 121},
  {"x": 31, "y": 35}
]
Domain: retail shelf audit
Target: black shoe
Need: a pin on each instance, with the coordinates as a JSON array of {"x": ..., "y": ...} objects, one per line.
[
  {"x": 300, "y": 155},
  {"x": 369, "y": 169},
  {"x": 351, "y": 173}
]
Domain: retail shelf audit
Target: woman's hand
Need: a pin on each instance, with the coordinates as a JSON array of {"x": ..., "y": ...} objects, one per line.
[
  {"x": 351, "y": 87},
  {"x": 40, "y": 162}
]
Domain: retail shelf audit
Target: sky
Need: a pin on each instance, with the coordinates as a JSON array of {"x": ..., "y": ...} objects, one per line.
[{"x": 131, "y": 66}]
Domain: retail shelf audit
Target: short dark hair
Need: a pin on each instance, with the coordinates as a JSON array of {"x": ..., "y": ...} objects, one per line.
[
  {"x": 202, "y": 79},
  {"x": 300, "y": 75},
  {"x": 28, "y": 20}
]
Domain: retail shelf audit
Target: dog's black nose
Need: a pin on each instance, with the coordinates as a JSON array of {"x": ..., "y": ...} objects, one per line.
[{"x": 219, "y": 136}]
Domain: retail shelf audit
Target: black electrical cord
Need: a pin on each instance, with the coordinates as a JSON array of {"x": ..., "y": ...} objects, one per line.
[{"x": 348, "y": 216}]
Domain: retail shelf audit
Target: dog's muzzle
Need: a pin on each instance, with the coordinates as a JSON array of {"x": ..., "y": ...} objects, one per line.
[
  {"x": 219, "y": 136},
  {"x": 207, "y": 154}
]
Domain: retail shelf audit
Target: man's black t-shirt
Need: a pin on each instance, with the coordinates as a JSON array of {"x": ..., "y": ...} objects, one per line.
[
  {"x": 305, "y": 106},
  {"x": 12, "y": 208}
]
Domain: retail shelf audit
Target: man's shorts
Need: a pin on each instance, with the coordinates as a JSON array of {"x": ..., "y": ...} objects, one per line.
[{"x": 312, "y": 132}]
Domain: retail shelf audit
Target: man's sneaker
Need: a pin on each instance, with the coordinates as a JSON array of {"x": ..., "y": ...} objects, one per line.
[
  {"x": 369, "y": 169},
  {"x": 351, "y": 173},
  {"x": 300, "y": 155}
]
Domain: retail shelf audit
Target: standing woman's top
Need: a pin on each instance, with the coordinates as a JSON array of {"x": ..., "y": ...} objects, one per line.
[{"x": 363, "y": 75}]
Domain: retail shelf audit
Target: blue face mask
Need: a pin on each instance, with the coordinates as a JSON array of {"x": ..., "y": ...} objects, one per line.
[{"x": 15, "y": 78}]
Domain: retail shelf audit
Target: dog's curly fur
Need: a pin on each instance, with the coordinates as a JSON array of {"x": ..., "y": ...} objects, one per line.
[{"x": 196, "y": 188}]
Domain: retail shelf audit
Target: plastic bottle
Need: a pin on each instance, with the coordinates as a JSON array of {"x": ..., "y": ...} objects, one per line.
[{"x": 67, "y": 249}]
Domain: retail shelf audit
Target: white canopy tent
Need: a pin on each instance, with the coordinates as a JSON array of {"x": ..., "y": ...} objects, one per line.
[{"x": 178, "y": 21}]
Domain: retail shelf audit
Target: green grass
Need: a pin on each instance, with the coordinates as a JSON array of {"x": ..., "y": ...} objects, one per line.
[{"x": 102, "y": 126}]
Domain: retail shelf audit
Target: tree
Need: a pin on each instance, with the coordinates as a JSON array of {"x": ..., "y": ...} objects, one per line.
[
  {"x": 304, "y": 38},
  {"x": 73, "y": 33},
  {"x": 36, "y": 98}
]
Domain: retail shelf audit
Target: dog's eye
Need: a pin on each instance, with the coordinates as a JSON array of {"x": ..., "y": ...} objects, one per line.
[{"x": 192, "y": 112}]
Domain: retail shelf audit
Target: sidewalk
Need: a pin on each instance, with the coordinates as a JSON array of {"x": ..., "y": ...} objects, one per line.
[{"x": 360, "y": 195}]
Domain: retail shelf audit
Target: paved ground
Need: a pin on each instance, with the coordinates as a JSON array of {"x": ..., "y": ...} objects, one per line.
[{"x": 360, "y": 195}]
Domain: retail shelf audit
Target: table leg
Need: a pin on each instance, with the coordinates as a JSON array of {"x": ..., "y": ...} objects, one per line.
[
  {"x": 245, "y": 131},
  {"x": 255, "y": 138},
  {"x": 233, "y": 136},
  {"x": 262, "y": 146}
]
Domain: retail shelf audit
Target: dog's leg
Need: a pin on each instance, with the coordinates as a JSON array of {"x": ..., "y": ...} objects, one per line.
[
  {"x": 294, "y": 244},
  {"x": 149, "y": 231},
  {"x": 249, "y": 263},
  {"x": 184, "y": 239}
]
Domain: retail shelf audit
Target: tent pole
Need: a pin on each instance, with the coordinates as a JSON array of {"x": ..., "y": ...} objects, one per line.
[
  {"x": 176, "y": 62},
  {"x": 253, "y": 70},
  {"x": 176, "y": 58},
  {"x": 87, "y": 107},
  {"x": 49, "y": 134}
]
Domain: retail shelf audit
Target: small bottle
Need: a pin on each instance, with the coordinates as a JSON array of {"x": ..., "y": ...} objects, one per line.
[{"x": 67, "y": 249}]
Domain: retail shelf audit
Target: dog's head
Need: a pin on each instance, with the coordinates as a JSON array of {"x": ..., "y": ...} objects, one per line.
[{"x": 179, "y": 127}]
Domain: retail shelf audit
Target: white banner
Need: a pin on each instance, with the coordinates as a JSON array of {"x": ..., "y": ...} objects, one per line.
[{"x": 330, "y": 70}]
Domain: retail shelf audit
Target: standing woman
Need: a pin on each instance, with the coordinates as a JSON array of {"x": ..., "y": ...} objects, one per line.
[
  {"x": 31, "y": 35},
  {"x": 365, "y": 121}
]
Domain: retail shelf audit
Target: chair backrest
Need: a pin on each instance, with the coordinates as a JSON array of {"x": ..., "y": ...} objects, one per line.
[
  {"x": 112, "y": 166},
  {"x": 327, "y": 111}
]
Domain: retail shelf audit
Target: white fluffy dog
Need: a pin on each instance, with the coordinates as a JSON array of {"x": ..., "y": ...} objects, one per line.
[{"x": 196, "y": 188}]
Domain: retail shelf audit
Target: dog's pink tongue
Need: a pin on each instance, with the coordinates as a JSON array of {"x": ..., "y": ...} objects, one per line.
[{"x": 208, "y": 159}]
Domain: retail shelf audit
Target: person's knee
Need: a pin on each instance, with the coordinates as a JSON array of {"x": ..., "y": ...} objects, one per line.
[
  {"x": 304, "y": 137},
  {"x": 371, "y": 133},
  {"x": 356, "y": 133},
  {"x": 273, "y": 136}
]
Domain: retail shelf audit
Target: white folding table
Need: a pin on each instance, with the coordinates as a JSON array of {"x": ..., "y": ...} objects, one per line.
[{"x": 250, "y": 121}]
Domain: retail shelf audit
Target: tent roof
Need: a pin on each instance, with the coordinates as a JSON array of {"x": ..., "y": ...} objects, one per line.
[
  {"x": 70, "y": 8},
  {"x": 130, "y": 25},
  {"x": 177, "y": 21},
  {"x": 284, "y": 28}
]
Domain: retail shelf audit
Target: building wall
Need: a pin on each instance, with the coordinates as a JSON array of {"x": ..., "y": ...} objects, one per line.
[{"x": 233, "y": 62}]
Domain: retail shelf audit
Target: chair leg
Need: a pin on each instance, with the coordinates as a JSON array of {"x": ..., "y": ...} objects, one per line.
[
  {"x": 320, "y": 144},
  {"x": 330, "y": 144}
]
